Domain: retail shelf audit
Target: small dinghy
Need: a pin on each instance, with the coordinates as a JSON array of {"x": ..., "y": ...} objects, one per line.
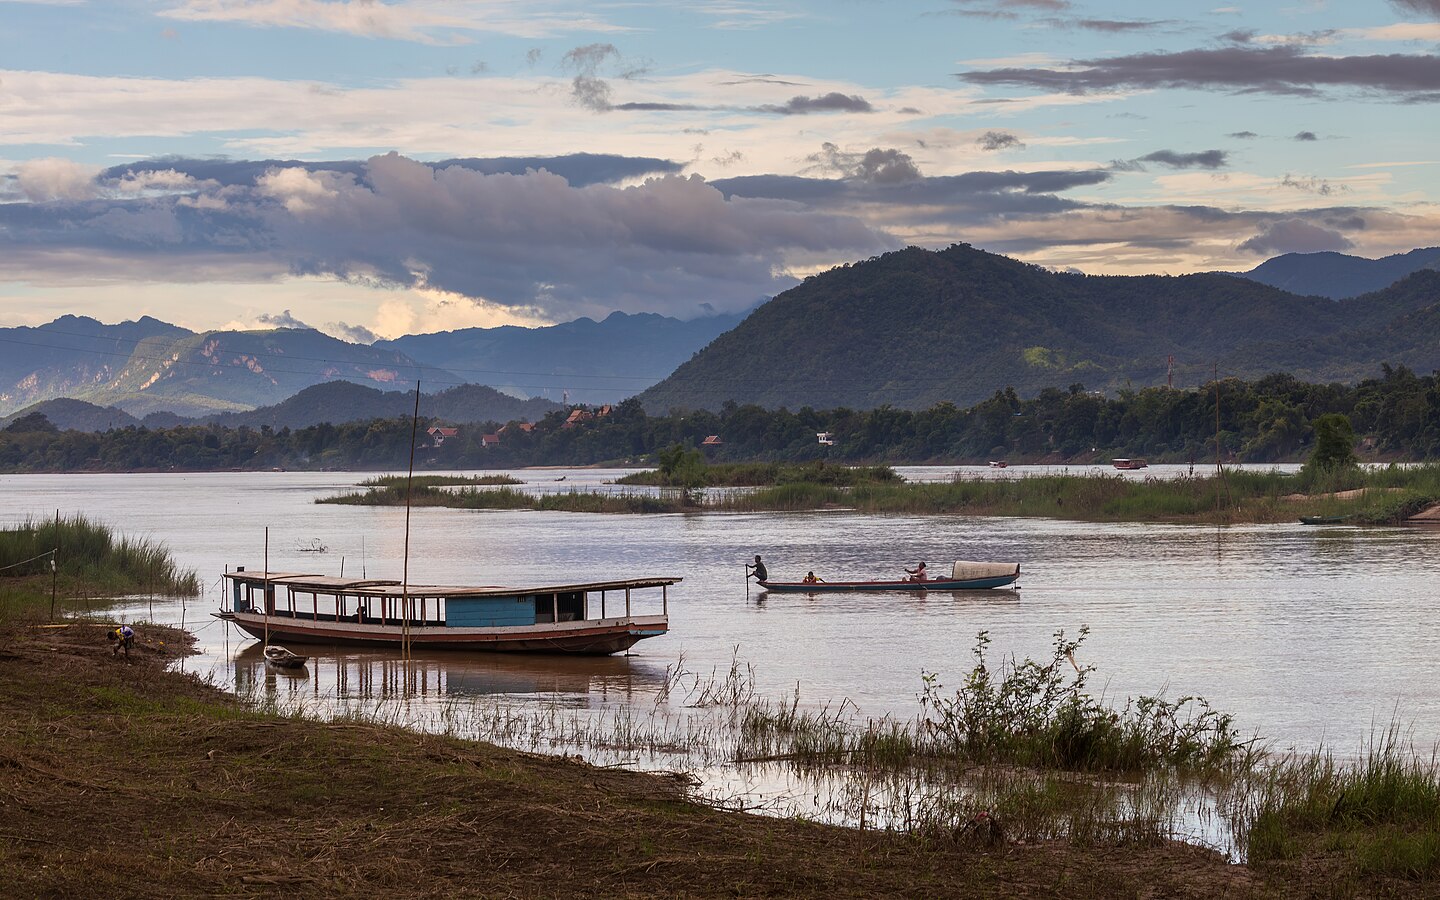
[{"x": 281, "y": 658}]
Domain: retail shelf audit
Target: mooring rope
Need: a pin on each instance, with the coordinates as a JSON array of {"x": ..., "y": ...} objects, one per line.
[{"x": 30, "y": 560}]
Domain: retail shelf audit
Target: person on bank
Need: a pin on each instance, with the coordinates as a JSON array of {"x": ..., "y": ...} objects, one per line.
[
  {"x": 758, "y": 569},
  {"x": 918, "y": 573}
]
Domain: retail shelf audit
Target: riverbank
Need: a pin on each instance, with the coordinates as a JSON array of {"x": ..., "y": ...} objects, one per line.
[
  {"x": 216, "y": 798},
  {"x": 1380, "y": 496}
]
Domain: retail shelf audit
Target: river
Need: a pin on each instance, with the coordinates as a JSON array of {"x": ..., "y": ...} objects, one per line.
[{"x": 1308, "y": 635}]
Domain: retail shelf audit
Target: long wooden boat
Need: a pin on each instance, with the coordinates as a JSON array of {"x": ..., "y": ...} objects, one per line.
[
  {"x": 1129, "y": 463},
  {"x": 597, "y": 618},
  {"x": 965, "y": 576},
  {"x": 1322, "y": 520}
]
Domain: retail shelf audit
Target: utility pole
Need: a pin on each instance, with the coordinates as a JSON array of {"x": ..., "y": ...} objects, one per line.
[{"x": 1170, "y": 373}]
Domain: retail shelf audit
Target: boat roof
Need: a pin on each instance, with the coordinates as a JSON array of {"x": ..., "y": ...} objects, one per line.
[{"x": 375, "y": 587}]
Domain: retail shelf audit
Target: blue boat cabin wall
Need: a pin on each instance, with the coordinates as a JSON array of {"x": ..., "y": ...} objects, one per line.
[{"x": 526, "y": 609}]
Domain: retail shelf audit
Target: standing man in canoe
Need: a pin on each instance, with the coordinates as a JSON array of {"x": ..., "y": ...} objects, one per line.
[{"x": 758, "y": 570}]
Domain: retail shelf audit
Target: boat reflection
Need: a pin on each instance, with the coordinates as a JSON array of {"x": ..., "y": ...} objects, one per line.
[
  {"x": 345, "y": 672},
  {"x": 991, "y": 594}
]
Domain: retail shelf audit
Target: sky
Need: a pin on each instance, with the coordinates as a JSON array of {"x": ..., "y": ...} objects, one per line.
[{"x": 377, "y": 168}]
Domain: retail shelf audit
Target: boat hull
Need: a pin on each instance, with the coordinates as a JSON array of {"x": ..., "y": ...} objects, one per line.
[
  {"x": 600, "y": 637},
  {"x": 934, "y": 584}
]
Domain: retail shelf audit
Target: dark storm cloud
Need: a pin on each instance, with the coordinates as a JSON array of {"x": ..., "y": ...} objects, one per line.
[
  {"x": 1205, "y": 159},
  {"x": 877, "y": 165},
  {"x": 970, "y": 199},
  {"x": 831, "y": 102},
  {"x": 579, "y": 169},
  {"x": 1429, "y": 8},
  {"x": 1239, "y": 35},
  {"x": 999, "y": 140},
  {"x": 1295, "y": 236},
  {"x": 1306, "y": 136},
  {"x": 529, "y": 241},
  {"x": 1111, "y": 26},
  {"x": 1245, "y": 69}
]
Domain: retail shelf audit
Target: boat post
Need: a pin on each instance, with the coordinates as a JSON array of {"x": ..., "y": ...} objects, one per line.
[{"x": 627, "y": 602}]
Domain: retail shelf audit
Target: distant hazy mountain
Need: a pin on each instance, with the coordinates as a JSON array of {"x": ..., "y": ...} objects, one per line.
[
  {"x": 343, "y": 401},
  {"x": 597, "y": 362},
  {"x": 75, "y": 415},
  {"x": 1336, "y": 275},
  {"x": 70, "y": 356},
  {"x": 149, "y": 366},
  {"x": 915, "y": 327}
]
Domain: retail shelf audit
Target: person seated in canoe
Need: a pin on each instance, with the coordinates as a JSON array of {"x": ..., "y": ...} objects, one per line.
[
  {"x": 758, "y": 569},
  {"x": 811, "y": 578},
  {"x": 917, "y": 573}
]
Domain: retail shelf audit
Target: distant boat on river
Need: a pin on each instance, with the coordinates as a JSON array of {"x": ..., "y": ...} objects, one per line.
[
  {"x": 1130, "y": 463},
  {"x": 1322, "y": 520},
  {"x": 964, "y": 576},
  {"x": 998, "y": 464},
  {"x": 595, "y": 618}
]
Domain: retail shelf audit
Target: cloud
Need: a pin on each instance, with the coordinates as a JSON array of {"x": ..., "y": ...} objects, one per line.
[
  {"x": 1285, "y": 70},
  {"x": 998, "y": 140},
  {"x": 54, "y": 178},
  {"x": 1313, "y": 185},
  {"x": 1243, "y": 135},
  {"x": 529, "y": 242},
  {"x": 831, "y": 102},
  {"x": 429, "y": 22},
  {"x": 1205, "y": 159},
  {"x": 355, "y": 334},
  {"x": 877, "y": 165},
  {"x": 1306, "y": 136},
  {"x": 1419, "y": 7},
  {"x": 1295, "y": 236},
  {"x": 579, "y": 169},
  {"x": 1111, "y": 26},
  {"x": 281, "y": 319}
]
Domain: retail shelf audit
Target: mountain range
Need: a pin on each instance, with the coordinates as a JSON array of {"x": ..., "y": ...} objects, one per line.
[
  {"x": 331, "y": 401},
  {"x": 591, "y": 362},
  {"x": 148, "y": 366},
  {"x": 1337, "y": 275},
  {"x": 916, "y": 327}
]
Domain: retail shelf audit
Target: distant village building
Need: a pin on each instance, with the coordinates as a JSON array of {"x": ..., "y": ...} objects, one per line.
[
  {"x": 523, "y": 427},
  {"x": 439, "y": 434},
  {"x": 577, "y": 416},
  {"x": 824, "y": 437},
  {"x": 712, "y": 441},
  {"x": 489, "y": 440}
]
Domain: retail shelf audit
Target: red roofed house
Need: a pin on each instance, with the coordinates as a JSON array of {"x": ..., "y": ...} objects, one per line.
[
  {"x": 577, "y": 416},
  {"x": 712, "y": 441},
  {"x": 489, "y": 440},
  {"x": 439, "y": 434}
]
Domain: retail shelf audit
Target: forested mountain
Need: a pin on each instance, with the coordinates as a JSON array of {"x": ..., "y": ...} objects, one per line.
[
  {"x": 69, "y": 356},
  {"x": 597, "y": 362},
  {"x": 75, "y": 415},
  {"x": 1338, "y": 275},
  {"x": 915, "y": 327},
  {"x": 342, "y": 401}
]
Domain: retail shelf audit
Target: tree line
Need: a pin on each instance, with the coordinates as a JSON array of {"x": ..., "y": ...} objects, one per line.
[{"x": 1267, "y": 420}]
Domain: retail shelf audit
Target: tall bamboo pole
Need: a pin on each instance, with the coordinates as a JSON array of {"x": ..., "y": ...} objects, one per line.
[{"x": 405, "y": 567}]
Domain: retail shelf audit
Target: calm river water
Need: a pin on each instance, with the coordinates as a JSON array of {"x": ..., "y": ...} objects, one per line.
[{"x": 1306, "y": 634}]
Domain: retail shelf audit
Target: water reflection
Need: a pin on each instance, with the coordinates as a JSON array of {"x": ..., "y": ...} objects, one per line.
[{"x": 344, "y": 673}]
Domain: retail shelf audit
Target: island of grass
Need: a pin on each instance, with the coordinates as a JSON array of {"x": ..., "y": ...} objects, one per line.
[
  {"x": 227, "y": 797},
  {"x": 1356, "y": 496},
  {"x": 695, "y": 473},
  {"x": 394, "y": 481}
]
